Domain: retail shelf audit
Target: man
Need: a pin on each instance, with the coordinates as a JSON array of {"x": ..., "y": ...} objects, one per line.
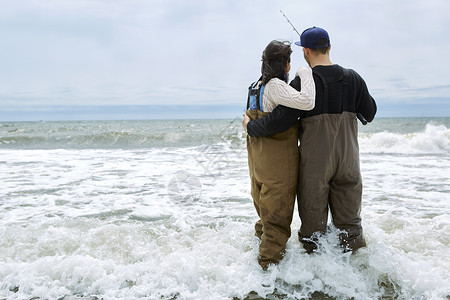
[{"x": 329, "y": 173}]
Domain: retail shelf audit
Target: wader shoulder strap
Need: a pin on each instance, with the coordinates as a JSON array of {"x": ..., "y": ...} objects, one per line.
[
  {"x": 325, "y": 92},
  {"x": 259, "y": 101},
  {"x": 252, "y": 92},
  {"x": 331, "y": 79},
  {"x": 255, "y": 95},
  {"x": 248, "y": 96},
  {"x": 346, "y": 86}
]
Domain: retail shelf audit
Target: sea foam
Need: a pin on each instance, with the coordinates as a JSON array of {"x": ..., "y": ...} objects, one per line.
[
  {"x": 109, "y": 223},
  {"x": 433, "y": 140}
]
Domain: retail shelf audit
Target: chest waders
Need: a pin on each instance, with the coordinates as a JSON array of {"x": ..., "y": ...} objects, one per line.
[
  {"x": 329, "y": 173},
  {"x": 273, "y": 166}
]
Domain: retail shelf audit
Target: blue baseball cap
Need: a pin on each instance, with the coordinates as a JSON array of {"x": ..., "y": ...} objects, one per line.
[{"x": 310, "y": 36}]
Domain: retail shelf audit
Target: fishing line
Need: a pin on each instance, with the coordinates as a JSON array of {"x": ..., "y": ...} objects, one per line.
[{"x": 293, "y": 27}]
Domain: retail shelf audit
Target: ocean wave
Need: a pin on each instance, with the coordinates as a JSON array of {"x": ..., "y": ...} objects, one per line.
[
  {"x": 114, "y": 135},
  {"x": 115, "y": 140},
  {"x": 82, "y": 141},
  {"x": 178, "y": 224},
  {"x": 434, "y": 139},
  {"x": 386, "y": 136}
]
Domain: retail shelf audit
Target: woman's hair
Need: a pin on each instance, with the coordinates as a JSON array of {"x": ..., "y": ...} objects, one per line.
[{"x": 274, "y": 60}]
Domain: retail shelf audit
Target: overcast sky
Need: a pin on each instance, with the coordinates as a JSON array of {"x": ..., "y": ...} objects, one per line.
[{"x": 205, "y": 53}]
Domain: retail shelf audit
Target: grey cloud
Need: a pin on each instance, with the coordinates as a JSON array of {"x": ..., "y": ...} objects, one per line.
[{"x": 151, "y": 52}]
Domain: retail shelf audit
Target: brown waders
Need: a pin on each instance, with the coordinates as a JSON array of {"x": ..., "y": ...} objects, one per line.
[
  {"x": 273, "y": 165},
  {"x": 330, "y": 178}
]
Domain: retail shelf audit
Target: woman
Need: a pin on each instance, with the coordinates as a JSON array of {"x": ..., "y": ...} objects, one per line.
[{"x": 273, "y": 161}]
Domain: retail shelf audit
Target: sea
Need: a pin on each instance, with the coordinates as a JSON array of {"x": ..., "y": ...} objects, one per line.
[{"x": 161, "y": 209}]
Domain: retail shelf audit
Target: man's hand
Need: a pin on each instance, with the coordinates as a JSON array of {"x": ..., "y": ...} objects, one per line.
[{"x": 245, "y": 122}]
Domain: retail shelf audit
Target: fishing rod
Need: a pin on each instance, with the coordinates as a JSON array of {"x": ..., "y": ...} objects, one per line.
[
  {"x": 293, "y": 27},
  {"x": 358, "y": 115}
]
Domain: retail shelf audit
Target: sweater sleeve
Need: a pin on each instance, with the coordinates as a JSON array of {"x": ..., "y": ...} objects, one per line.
[
  {"x": 281, "y": 118},
  {"x": 281, "y": 93}
]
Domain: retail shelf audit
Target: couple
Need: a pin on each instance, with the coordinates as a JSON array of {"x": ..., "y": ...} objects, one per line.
[{"x": 319, "y": 107}]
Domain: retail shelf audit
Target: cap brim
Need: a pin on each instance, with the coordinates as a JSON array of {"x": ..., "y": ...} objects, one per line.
[{"x": 298, "y": 43}]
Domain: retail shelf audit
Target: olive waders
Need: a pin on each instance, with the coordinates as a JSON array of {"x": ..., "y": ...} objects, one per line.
[
  {"x": 330, "y": 174},
  {"x": 273, "y": 165}
]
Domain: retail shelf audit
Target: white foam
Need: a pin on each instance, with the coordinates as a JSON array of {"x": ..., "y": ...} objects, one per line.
[
  {"x": 101, "y": 223},
  {"x": 433, "y": 140}
]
